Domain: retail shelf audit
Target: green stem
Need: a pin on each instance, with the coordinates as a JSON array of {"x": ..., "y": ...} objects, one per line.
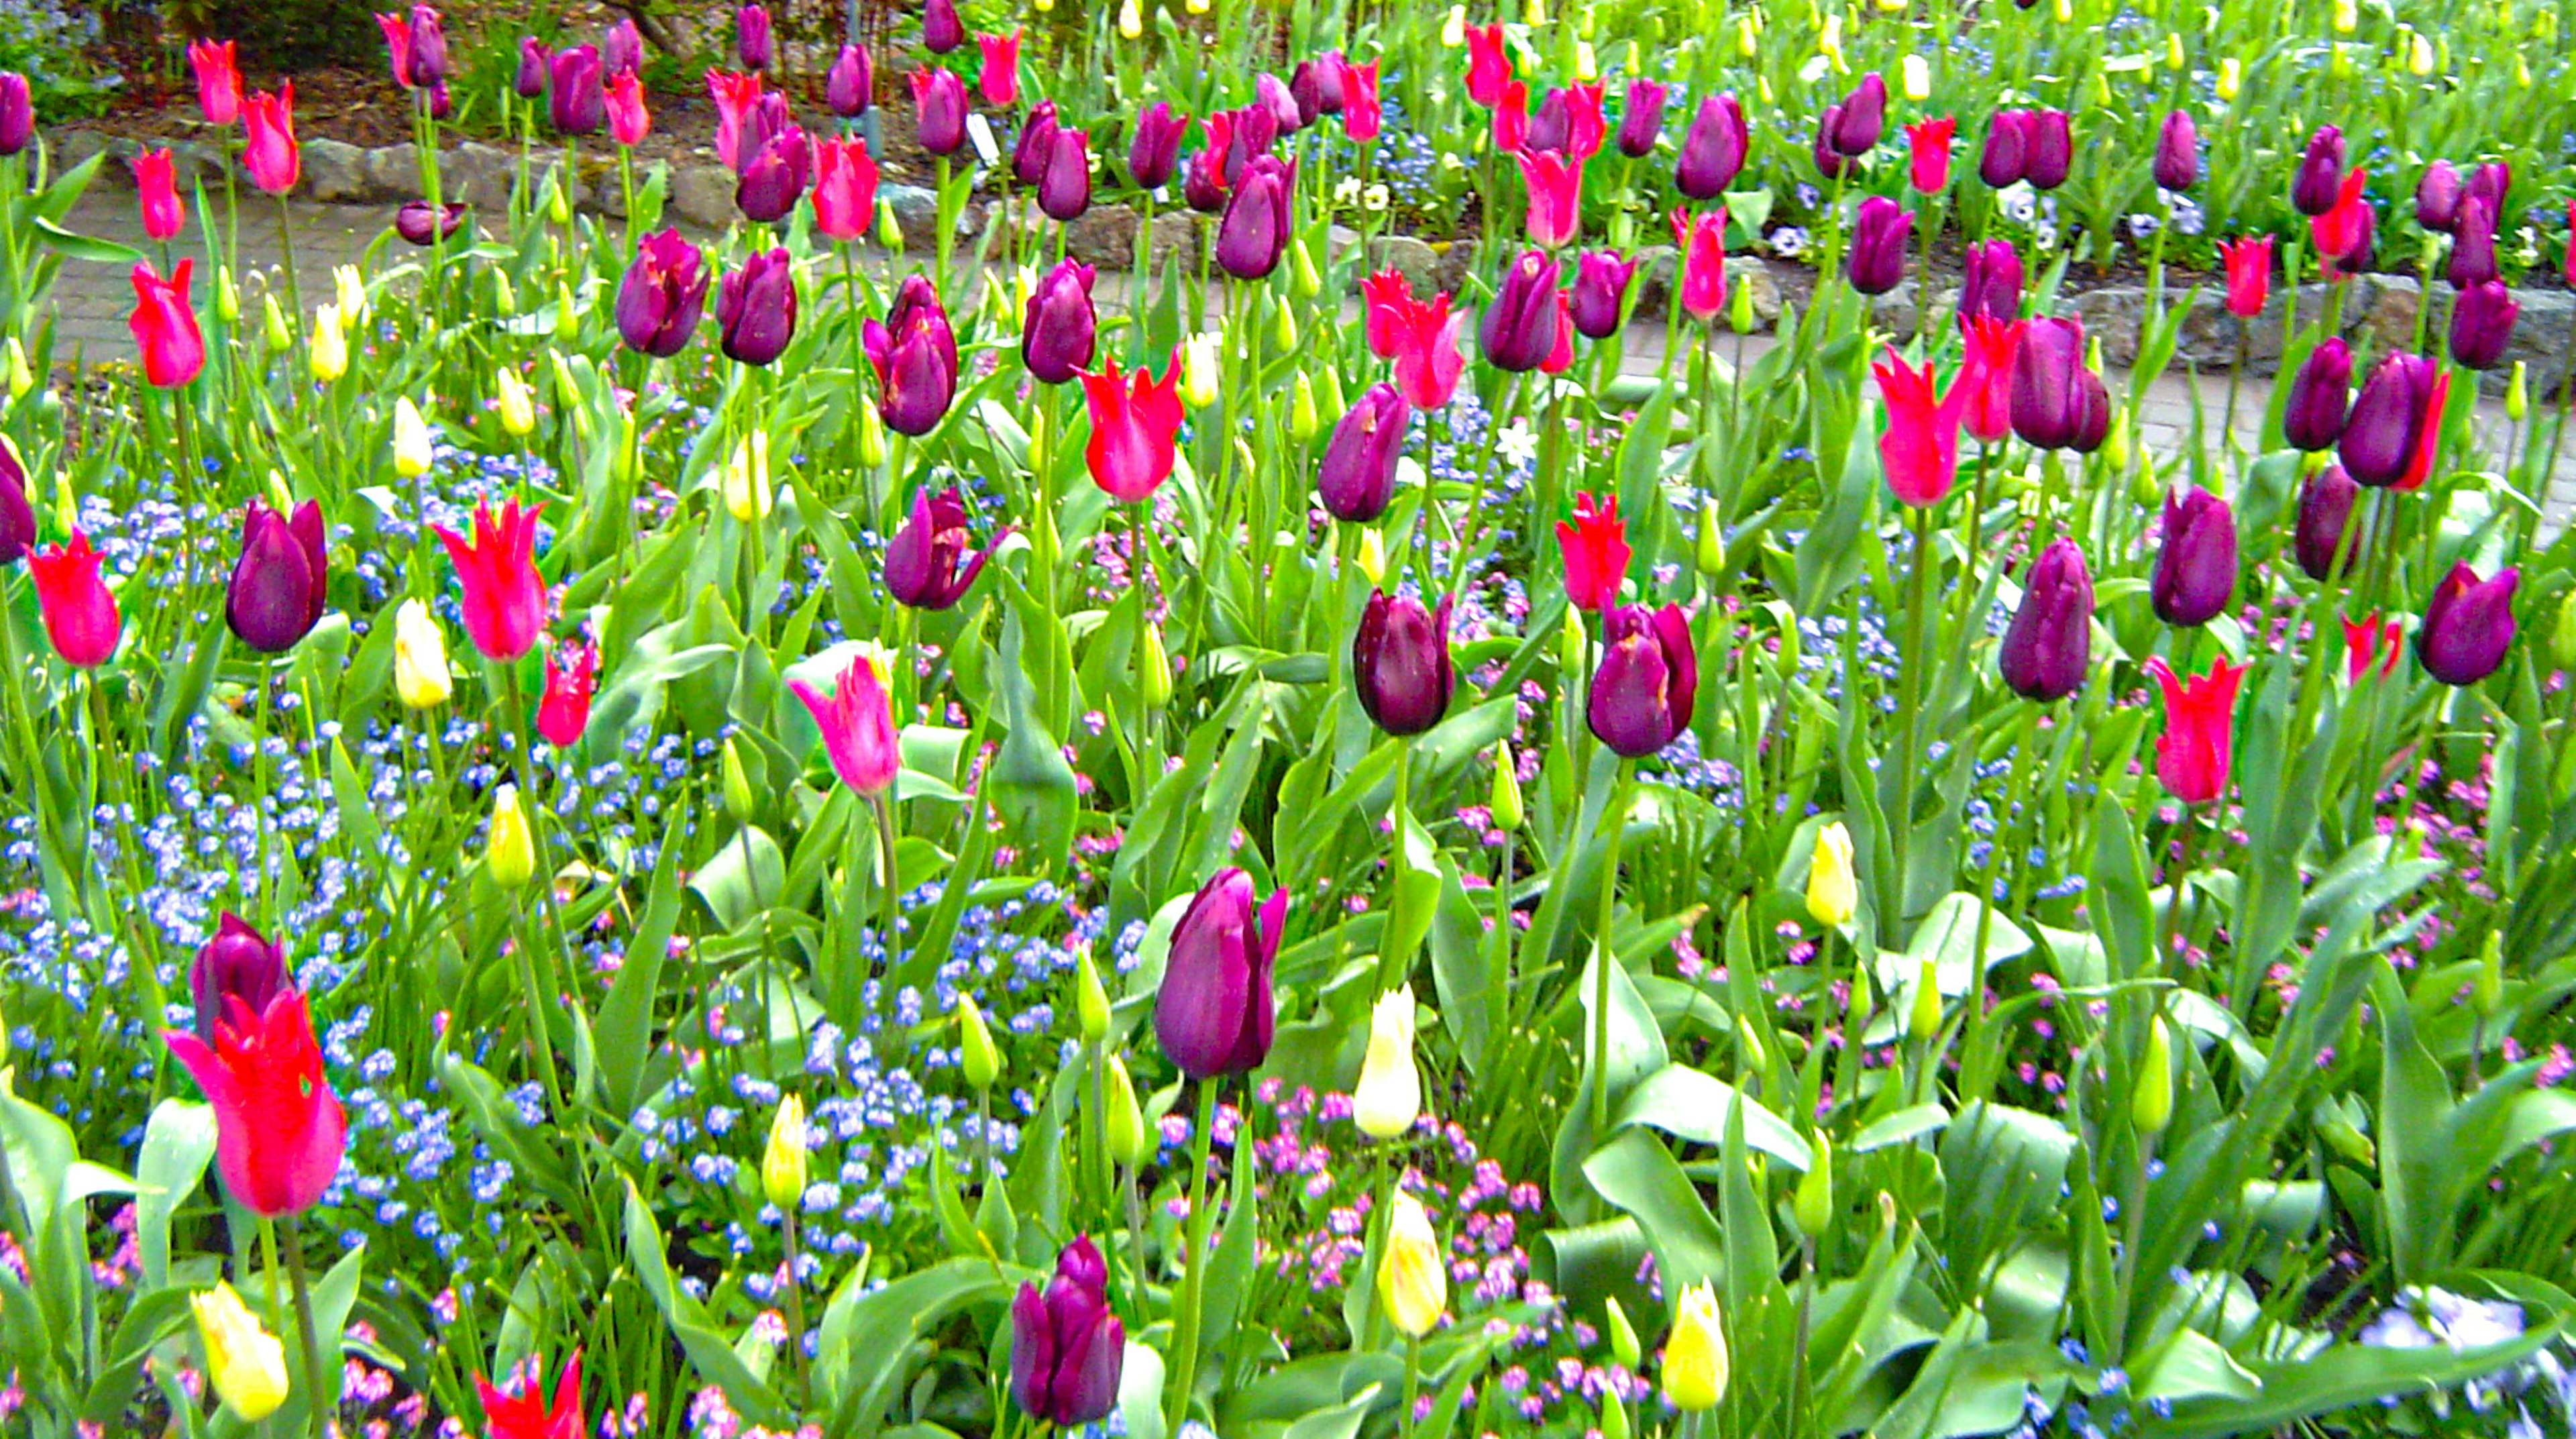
[
  {"x": 1622, "y": 795},
  {"x": 319, "y": 1406},
  {"x": 1185, "y": 1358},
  {"x": 1900, "y": 809},
  {"x": 795, "y": 1299},
  {"x": 883, "y": 803}
]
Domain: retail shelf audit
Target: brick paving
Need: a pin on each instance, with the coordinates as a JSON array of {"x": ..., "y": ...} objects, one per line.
[{"x": 91, "y": 302}]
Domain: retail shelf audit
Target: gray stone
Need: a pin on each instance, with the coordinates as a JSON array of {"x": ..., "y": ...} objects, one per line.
[
  {"x": 2389, "y": 321},
  {"x": 703, "y": 195},
  {"x": 2542, "y": 336},
  {"x": 1176, "y": 238},
  {"x": 478, "y": 174},
  {"x": 916, "y": 210},
  {"x": 1409, "y": 257},
  {"x": 337, "y": 174},
  {"x": 395, "y": 171},
  {"x": 77, "y": 147},
  {"x": 1457, "y": 262},
  {"x": 1653, "y": 285},
  {"x": 1897, "y": 311},
  {"x": 2113, "y": 316}
]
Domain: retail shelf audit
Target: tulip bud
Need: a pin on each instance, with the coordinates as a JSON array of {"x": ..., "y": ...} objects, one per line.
[
  {"x": 1371, "y": 558},
  {"x": 1283, "y": 329},
  {"x": 227, "y": 296},
  {"x": 517, "y": 404},
  {"x": 747, "y": 496},
  {"x": 2231, "y": 78},
  {"x": 273, "y": 326},
  {"x": 783, "y": 1159},
  {"x": 1695, "y": 1358},
  {"x": 2151, "y": 1104},
  {"x": 1833, "y": 891},
  {"x": 559, "y": 201},
  {"x": 1573, "y": 647},
  {"x": 1453, "y": 31},
  {"x": 1923, "y": 1020},
  {"x": 1917, "y": 78},
  {"x": 1388, "y": 1098},
  {"x": 22, "y": 378},
  {"x": 246, "y": 1363},
  {"x": 1131, "y": 20},
  {"x": 872, "y": 440},
  {"x": 510, "y": 850},
  {"x": 1505, "y": 798},
  {"x": 889, "y": 229},
  {"x": 2195, "y": 570},
  {"x": 1302, "y": 423},
  {"x": 421, "y": 676},
  {"x": 1624, "y": 1347},
  {"x": 1155, "y": 669},
  {"x": 1413, "y": 1278},
  {"x": 411, "y": 440},
  {"x": 1813, "y": 1204},
  {"x": 1614, "y": 1418},
  {"x": 2174, "y": 58},
  {"x": 328, "y": 356},
  {"x": 1090, "y": 1000},
  {"x": 976, "y": 1056},
  {"x": 2517, "y": 391},
  {"x": 1131, "y": 1141},
  {"x": 2486, "y": 991},
  {"x": 2468, "y": 625},
  {"x": 2562, "y": 635},
  {"x": 505, "y": 297},
  {"x": 1201, "y": 371},
  {"x": 737, "y": 784}
]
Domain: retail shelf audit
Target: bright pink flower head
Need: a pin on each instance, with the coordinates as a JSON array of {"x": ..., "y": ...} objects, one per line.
[
  {"x": 2567, "y": 260},
  {"x": 857, "y": 721},
  {"x": 1987, "y": 377},
  {"x": 2249, "y": 274},
  {"x": 999, "y": 80},
  {"x": 1423, "y": 339},
  {"x": 505, "y": 597},
  {"x": 80, "y": 613},
  {"x": 628, "y": 121},
  {"x": 279, "y": 1132},
  {"x": 270, "y": 156},
  {"x": 1511, "y": 118},
  {"x": 164, "y": 325},
  {"x": 735, "y": 94},
  {"x": 1488, "y": 68},
  {"x": 2367, "y": 639},
  {"x": 845, "y": 188},
  {"x": 156, "y": 190},
  {"x": 1135, "y": 427},
  {"x": 1385, "y": 299},
  {"x": 1920, "y": 446},
  {"x": 528, "y": 1414},
  {"x": 1585, "y": 128},
  {"x": 2200, "y": 715},
  {"x": 1361, "y": 112},
  {"x": 571, "y": 677},
  {"x": 1702, "y": 239},
  {"x": 397, "y": 28},
  {"x": 2342, "y": 234},
  {"x": 1560, "y": 356},
  {"x": 1595, "y": 546},
  {"x": 2428, "y": 438},
  {"x": 219, "y": 86},
  {"x": 1927, "y": 145},
  {"x": 1555, "y": 196}
]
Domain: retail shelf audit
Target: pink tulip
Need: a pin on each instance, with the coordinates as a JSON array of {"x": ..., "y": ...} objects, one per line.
[
  {"x": 1702, "y": 239},
  {"x": 1555, "y": 196},
  {"x": 1135, "y": 424},
  {"x": 165, "y": 325},
  {"x": 857, "y": 722},
  {"x": 845, "y": 188}
]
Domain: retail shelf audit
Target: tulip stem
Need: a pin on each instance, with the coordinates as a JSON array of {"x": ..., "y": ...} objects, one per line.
[
  {"x": 795, "y": 1296},
  {"x": 1622, "y": 795},
  {"x": 1412, "y": 1380},
  {"x": 307, "y": 1358},
  {"x": 1900, "y": 809},
  {"x": 1185, "y": 1357},
  {"x": 286, "y": 254},
  {"x": 883, "y": 804}
]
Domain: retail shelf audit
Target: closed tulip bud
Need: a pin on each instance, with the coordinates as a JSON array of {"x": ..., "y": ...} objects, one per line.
[
  {"x": 2195, "y": 573},
  {"x": 1713, "y": 149},
  {"x": 278, "y": 585},
  {"x": 2482, "y": 320},
  {"x": 1371, "y": 558},
  {"x": 1991, "y": 281},
  {"x": 2052, "y": 150},
  {"x": 1302, "y": 420},
  {"x": 2517, "y": 391},
  {"x": 1154, "y": 670},
  {"x": 977, "y": 1059},
  {"x": 1600, "y": 292},
  {"x": 1214, "y": 1012},
  {"x": 1833, "y": 889},
  {"x": 2151, "y": 1102},
  {"x": 2437, "y": 197},
  {"x": 328, "y": 355},
  {"x": 1388, "y": 1098},
  {"x": 510, "y": 850},
  {"x": 1504, "y": 799},
  {"x": 1813, "y": 1204},
  {"x": 1090, "y": 1000},
  {"x": 737, "y": 784},
  {"x": 421, "y": 676},
  {"x": 2231, "y": 77},
  {"x": 2320, "y": 174},
  {"x": 2006, "y": 156},
  {"x": 411, "y": 440},
  {"x": 1573, "y": 647},
  {"x": 849, "y": 88},
  {"x": 744, "y": 482},
  {"x": 1739, "y": 310},
  {"x": 1916, "y": 74},
  {"x": 756, "y": 307},
  {"x": 889, "y": 230},
  {"x": 22, "y": 377},
  {"x": 1708, "y": 545},
  {"x": 2393, "y": 420},
  {"x": 1413, "y": 1279},
  {"x": 1130, "y": 1140},
  {"x": 1641, "y": 118},
  {"x": 1400, "y": 663},
  {"x": 939, "y": 111},
  {"x": 2486, "y": 990},
  {"x": 274, "y": 329},
  {"x": 2313, "y": 419},
  {"x": 2047, "y": 650},
  {"x": 1201, "y": 372},
  {"x": 568, "y": 319},
  {"x": 2177, "y": 165},
  {"x": 2562, "y": 635},
  {"x": 1518, "y": 327},
  {"x": 783, "y": 1159},
  {"x": 515, "y": 402},
  {"x": 2049, "y": 390},
  {"x": 2325, "y": 507},
  {"x": 246, "y": 1363},
  {"x": 2468, "y": 625},
  {"x": 1696, "y": 1367},
  {"x": 1862, "y": 119},
  {"x": 1923, "y": 1016},
  {"x": 872, "y": 440},
  {"x": 1254, "y": 231},
  {"x": 1356, "y": 480}
]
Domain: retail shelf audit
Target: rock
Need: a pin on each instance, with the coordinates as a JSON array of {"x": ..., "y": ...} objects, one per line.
[
  {"x": 480, "y": 175},
  {"x": 195, "y": 162},
  {"x": 1176, "y": 238},
  {"x": 2389, "y": 322},
  {"x": 608, "y": 192},
  {"x": 1409, "y": 257},
  {"x": 915, "y": 209},
  {"x": 336, "y": 173},
  {"x": 702, "y": 195},
  {"x": 394, "y": 171},
  {"x": 1896, "y": 312},
  {"x": 2541, "y": 339},
  {"x": 1653, "y": 287},
  {"x": 1103, "y": 237},
  {"x": 1457, "y": 262},
  {"x": 2113, "y": 316},
  {"x": 78, "y": 147}
]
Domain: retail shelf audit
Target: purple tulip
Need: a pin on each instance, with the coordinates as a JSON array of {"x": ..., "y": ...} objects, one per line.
[
  {"x": 1861, "y": 118},
  {"x": 2052, "y": 150},
  {"x": 941, "y": 30},
  {"x": 1830, "y": 162},
  {"x": 1306, "y": 91},
  {"x": 2195, "y": 570},
  {"x": 621, "y": 50},
  {"x": 1713, "y": 149},
  {"x": 17, "y": 113},
  {"x": 428, "y": 48},
  {"x": 1067, "y": 1349},
  {"x": 2320, "y": 174},
  {"x": 767, "y": 118},
  {"x": 418, "y": 224},
  {"x": 662, "y": 295},
  {"x": 939, "y": 110},
  {"x": 1213, "y": 1014},
  {"x": 927, "y": 564},
  {"x": 851, "y": 86},
  {"x": 277, "y": 589},
  {"x": 1642, "y": 690},
  {"x": 1549, "y": 122},
  {"x": 2489, "y": 182},
  {"x": 1991, "y": 284},
  {"x": 2437, "y": 197},
  {"x": 1064, "y": 190},
  {"x": 1878, "y": 245},
  {"x": 2048, "y": 392},
  {"x": 1641, "y": 119},
  {"x": 2468, "y": 626},
  {"x": 441, "y": 104},
  {"x": 1155, "y": 151},
  {"x": 1600, "y": 290},
  {"x": 2482, "y": 324},
  {"x": 575, "y": 101},
  {"x": 1254, "y": 233},
  {"x": 751, "y": 41},
  {"x": 1059, "y": 328},
  {"x": 776, "y": 176},
  {"x": 1518, "y": 327},
  {"x": 2325, "y": 507},
  {"x": 2387, "y": 420},
  {"x": 2473, "y": 251},
  {"x": 1400, "y": 663},
  {"x": 238, "y": 963},
  {"x": 2313, "y": 417},
  {"x": 914, "y": 354},
  {"x": 1332, "y": 83},
  {"x": 2007, "y": 152},
  {"x": 536, "y": 64},
  {"x": 1037, "y": 137},
  {"x": 2178, "y": 152},
  {"x": 17, "y": 517},
  {"x": 1270, "y": 93},
  {"x": 756, "y": 307},
  {"x": 2049, "y": 645},
  {"x": 1357, "y": 478}
]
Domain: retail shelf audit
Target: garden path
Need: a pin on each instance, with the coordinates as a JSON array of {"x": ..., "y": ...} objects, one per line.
[{"x": 92, "y": 301}]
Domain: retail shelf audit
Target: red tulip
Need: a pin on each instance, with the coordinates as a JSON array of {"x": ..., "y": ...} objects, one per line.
[
  {"x": 219, "y": 86},
  {"x": 999, "y": 80},
  {"x": 2249, "y": 274},
  {"x": 165, "y": 325},
  {"x": 564, "y": 712},
  {"x": 845, "y": 188},
  {"x": 735, "y": 95},
  {"x": 156, "y": 190},
  {"x": 279, "y": 1132},
  {"x": 1595, "y": 546},
  {"x": 528, "y": 1414},
  {"x": 628, "y": 121},
  {"x": 271, "y": 156},
  {"x": 397, "y": 29},
  {"x": 1361, "y": 112},
  {"x": 1702, "y": 239},
  {"x": 1422, "y": 339},
  {"x": 857, "y": 721},
  {"x": 2342, "y": 233},
  {"x": 1511, "y": 118},
  {"x": 1987, "y": 377},
  {"x": 1135, "y": 425},
  {"x": 1920, "y": 446},
  {"x": 1927, "y": 144},
  {"x": 1488, "y": 68},
  {"x": 80, "y": 614},
  {"x": 2371, "y": 639},
  {"x": 1555, "y": 196},
  {"x": 2192, "y": 754},
  {"x": 505, "y": 597},
  {"x": 1560, "y": 356},
  {"x": 1384, "y": 299}
]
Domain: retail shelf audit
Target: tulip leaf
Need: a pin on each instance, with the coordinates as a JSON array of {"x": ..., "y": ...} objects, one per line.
[
  {"x": 1638, "y": 1176},
  {"x": 707, "y": 1350},
  {"x": 875, "y": 1337},
  {"x": 625, "y": 1028},
  {"x": 90, "y": 248},
  {"x": 178, "y": 1141}
]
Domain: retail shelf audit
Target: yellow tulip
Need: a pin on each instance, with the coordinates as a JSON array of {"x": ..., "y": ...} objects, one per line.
[
  {"x": 350, "y": 292},
  {"x": 329, "y": 354},
  {"x": 1453, "y": 31},
  {"x": 1917, "y": 75},
  {"x": 22, "y": 376},
  {"x": 2231, "y": 77},
  {"x": 517, "y": 403},
  {"x": 1388, "y": 1098},
  {"x": 1695, "y": 1362},
  {"x": 1199, "y": 370},
  {"x": 2347, "y": 16},
  {"x": 421, "y": 677},
  {"x": 746, "y": 478},
  {"x": 1413, "y": 1278},
  {"x": 1833, "y": 891},
  {"x": 510, "y": 851},
  {"x": 1534, "y": 14},
  {"x": 1131, "y": 21},
  {"x": 1371, "y": 558},
  {"x": 246, "y": 1362},
  {"x": 411, "y": 440},
  {"x": 1587, "y": 66},
  {"x": 782, "y": 1160}
]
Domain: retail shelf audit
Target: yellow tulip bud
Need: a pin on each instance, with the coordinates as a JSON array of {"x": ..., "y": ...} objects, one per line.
[
  {"x": 567, "y": 319},
  {"x": 2065, "y": 12},
  {"x": 1371, "y": 558},
  {"x": 1156, "y": 669},
  {"x": 1388, "y": 1098},
  {"x": 1623, "y": 1335},
  {"x": 2174, "y": 57},
  {"x": 746, "y": 478},
  {"x": 2517, "y": 391},
  {"x": 1200, "y": 371},
  {"x": 1833, "y": 890},
  {"x": 1747, "y": 43},
  {"x": 1917, "y": 77},
  {"x": 22, "y": 376},
  {"x": 1302, "y": 420},
  {"x": 2419, "y": 56},
  {"x": 1829, "y": 40},
  {"x": 1534, "y": 14},
  {"x": 1131, "y": 20},
  {"x": 1813, "y": 1204},
  {"x": 1453, "y": 31},
  {"x": 227, "y": 296},
  {"x": 1923, "y": 1019},
  {"x": 2231, "y": 76},
  {"x": 1413, "y": 1279},
  {"x": 1198, "y": 7},
  {"x": 872, "y": 440},
  {"x": 1708, "y": 547},
  {"x": 737, "y": 784},
  {"x": 421, "y": 677},
  {"x": 2347, "y": 16},
  {"x": 510, "y": 851},
  {"x": 1131, "y": 1142},
  {"x": 349, "y": 289},
  {"x": 1283, "y": 329},
  {"x": 411, "y": 440},
  {"x": 1695, "y": 1362},
  {"x": 976, "y": 1056},
  {"x": 245, "y": 1361},
  {"x": 273, "y": 326},
  {"x": 782, "y": 1160},
  {"x": 2151, "y": 1104},
  {"x": 1587, "y": 66},
  {"x": 518, "y": 404}
]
